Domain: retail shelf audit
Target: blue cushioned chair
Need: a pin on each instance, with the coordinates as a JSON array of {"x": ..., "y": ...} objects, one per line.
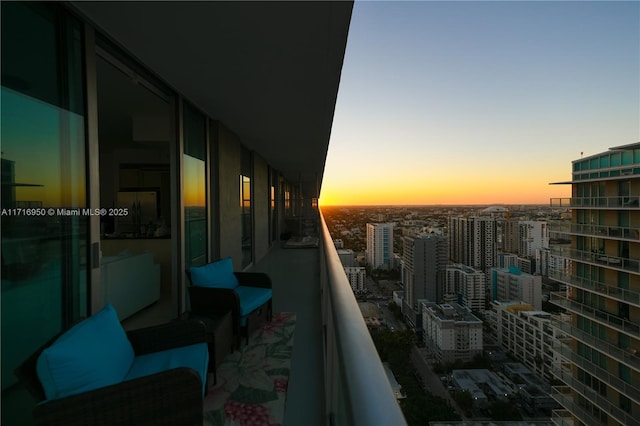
[
  {"x": 96, "y": 373},
  {"x": 216, "y": 287}
]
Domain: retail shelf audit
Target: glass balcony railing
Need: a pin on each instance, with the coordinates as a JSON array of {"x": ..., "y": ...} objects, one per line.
[
  {"x": 612, "y": 380},
  {"x": 562, "y": 418},
  {"x": 623, "y": 295},
  {"x": 600, "y": 231},
  {"x": 623, "y": 202},
  {"x": 630, "y": 356},
  {"x": 564, "y": 395},
  {"x": 357, "y": 388},
  {"x": 598, "y": 259},
  {"x": 618, "y": 323}
]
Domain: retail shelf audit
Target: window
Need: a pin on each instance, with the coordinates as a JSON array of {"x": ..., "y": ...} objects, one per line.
[
  {"x": 44, "y": 256},
  {"x": 194, "y": 194},
  {"x": 624, "y": 372},
  {"x": 246, "y": 207}
]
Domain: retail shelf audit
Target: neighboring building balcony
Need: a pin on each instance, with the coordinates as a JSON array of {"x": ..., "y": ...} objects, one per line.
[
  {"x": 617, "y": 203},
  {"x": 599, "y": 259},
  {"x": 621, "y": 294},
  {"x": 629, "y": 356},
  {"x": 562, "y": 417},
  {"x": 621, "y": 171},
  {"x": 614, "y": 381},
  {"x": 601, "y": 231},
  {"x": 565, "y": 396},
  {"x": 621, "y": 324}
]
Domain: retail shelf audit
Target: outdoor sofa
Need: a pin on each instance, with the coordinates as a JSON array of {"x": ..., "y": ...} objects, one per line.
[{"x": 95, "y": 373}]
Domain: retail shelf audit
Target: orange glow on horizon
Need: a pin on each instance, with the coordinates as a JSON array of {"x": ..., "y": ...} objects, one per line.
[{"x": 479, "y": 191}]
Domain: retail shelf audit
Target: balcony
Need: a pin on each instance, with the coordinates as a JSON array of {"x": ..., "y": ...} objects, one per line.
[
  {"x": 623, "y": 295},
  {"x": 599, "y": 203},
  {"x": 598, "y": 259},
  {"x": 336, "y": 374},
  {"x": 613, "y": 381},
  {"x": 620, "y": 324},
  {"x": 562, "y": 418},
  {"x": 565, "y": 396},
  {"x": 602, "y": 231}
]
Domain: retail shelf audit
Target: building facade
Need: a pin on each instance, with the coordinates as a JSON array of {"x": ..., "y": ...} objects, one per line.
[
  {"x": 451, "y": 331},
  {"x": 380, "y": 245},
  {"x": 466, "y": 286},
  {"x": 423, "y": 268},
  {"x": 357, "y": 276},
  {"x": 473, "y": 241},
  {"x": 601, "y": 366},
  {"x": 513, "y": 284},
  {"x": 527, "y": 334},
  {"x": 347, "y": 257}
]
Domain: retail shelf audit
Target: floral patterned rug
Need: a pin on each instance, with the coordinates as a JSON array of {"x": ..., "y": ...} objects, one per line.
[{"x": 252, "y": 383}]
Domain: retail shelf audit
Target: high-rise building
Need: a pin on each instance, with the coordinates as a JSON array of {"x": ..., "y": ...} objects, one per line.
[
  {"x": 423, "y": 269},
  {"x": 467, "y": 284},
  {"x": 379, "y": 245},
  {"x": 524, "y": 237},
  {"x": 601, "y": 367},
  {"x": 473, "y": 241},
  {"x": 532, "y": 235}
]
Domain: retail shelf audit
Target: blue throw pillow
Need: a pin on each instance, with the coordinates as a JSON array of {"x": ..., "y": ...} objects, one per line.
[
  {"x": 217, "y": 275},
  {"x": 92, "y": 354}
]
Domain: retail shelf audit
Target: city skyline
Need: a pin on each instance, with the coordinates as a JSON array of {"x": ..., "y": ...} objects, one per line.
[{"x": 449, "y": 103}]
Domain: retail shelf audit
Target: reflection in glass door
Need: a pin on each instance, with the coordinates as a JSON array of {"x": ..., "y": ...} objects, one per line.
[
  {"x": 194, "y": 187},
  {"x": 135, "y": 136},
  {"x": 44, "y": 233},
  {"x": 246, "y": 207}
]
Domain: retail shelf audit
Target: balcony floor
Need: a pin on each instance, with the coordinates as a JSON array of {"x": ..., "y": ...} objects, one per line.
[{"x": 295, "y": 274}]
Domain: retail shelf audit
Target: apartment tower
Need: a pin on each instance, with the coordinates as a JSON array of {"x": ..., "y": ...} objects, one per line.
[
  {"x": 379, "y": 245},
  {"x": 473, "y": 241},
  {"x": 424, "y": 263},
  {"x": 601, "y": 357}
]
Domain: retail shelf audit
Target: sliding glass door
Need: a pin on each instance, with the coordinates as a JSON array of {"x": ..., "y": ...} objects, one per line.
[{"x": 44, "y": 234}]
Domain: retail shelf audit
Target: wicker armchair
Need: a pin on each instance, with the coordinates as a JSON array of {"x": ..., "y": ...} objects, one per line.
[
  {"x": 172, "y": 397},
  {"x": 205, "y": 300}
]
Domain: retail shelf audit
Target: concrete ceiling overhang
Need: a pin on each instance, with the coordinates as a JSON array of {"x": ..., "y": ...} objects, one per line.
[{"x": 269, "y": 71}]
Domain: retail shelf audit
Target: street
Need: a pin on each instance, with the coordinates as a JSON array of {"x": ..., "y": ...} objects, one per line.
[{"x": 431, "y": 381}]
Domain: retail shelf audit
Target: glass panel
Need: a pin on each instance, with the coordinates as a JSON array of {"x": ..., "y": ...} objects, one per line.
[
  {"x": 195, "y": 188},
  {"x": 624, "y": 372},
  {"x": 615, "y": 159},
  {"x": 44, "y": 229},
  {"x": 135, "y": 133},
  {"x": 246, "y": 207},
  {"x": 273, "y": 208},
  {"x": 627, "y": 158},
  {"x": 604, "y": 161}
]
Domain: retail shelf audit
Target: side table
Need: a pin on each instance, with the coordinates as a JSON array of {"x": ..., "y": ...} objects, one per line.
[{"x": 219, "y": 336}]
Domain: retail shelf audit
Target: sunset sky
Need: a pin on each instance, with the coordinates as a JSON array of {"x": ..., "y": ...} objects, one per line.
[{"x": 480, "y": 102}]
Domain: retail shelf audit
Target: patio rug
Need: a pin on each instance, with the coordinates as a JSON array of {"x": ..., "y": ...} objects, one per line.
[{"x": 252, "y": 382}]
